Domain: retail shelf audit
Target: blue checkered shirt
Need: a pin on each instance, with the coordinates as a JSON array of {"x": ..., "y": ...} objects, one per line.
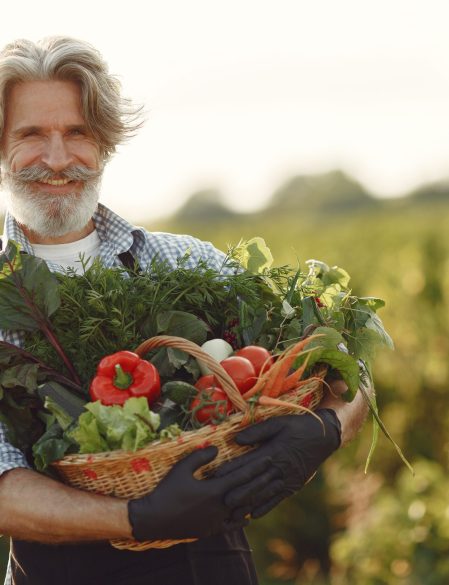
[{"x": 116, "y": 236}]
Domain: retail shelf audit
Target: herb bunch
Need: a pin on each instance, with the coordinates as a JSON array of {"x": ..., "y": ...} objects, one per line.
[{"x": 69, "y": 322}]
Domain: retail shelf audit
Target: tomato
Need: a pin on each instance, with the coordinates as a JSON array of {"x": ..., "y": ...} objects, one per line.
[
  {"x": 241, "y": 371},
  {"x": 258, "y": 356},
  {"x": 211, "y": 405},
  {"x": 208, "y": 381}
]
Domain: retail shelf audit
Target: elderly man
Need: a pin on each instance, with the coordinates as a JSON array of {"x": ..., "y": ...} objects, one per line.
[{"x": 61, "y": 118}]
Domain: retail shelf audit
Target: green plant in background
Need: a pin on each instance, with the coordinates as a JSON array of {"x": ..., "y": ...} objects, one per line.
[{"x": 403, "y": 536}]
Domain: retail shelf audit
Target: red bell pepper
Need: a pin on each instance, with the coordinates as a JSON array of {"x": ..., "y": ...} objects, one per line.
[{"x": 123, "y": 375}]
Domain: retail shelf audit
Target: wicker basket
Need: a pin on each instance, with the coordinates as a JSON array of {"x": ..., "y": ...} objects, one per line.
[{"x": 132, "y": 474}]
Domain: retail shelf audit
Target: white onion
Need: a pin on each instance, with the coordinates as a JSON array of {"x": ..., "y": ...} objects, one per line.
[{"x": 219, "y": 349}]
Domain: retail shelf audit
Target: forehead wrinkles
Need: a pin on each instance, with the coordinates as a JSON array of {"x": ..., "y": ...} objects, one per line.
[{"x": 44, "y": 104}]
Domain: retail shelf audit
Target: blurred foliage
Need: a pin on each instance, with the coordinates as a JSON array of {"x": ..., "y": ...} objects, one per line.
[{"x": 345, "y": 527}]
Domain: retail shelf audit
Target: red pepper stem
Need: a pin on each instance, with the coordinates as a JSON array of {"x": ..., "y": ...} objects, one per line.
[{"x": 122, "y": 380}]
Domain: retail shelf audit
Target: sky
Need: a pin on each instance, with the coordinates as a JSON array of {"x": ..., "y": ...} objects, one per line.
[{"x": 239, "y": 95}]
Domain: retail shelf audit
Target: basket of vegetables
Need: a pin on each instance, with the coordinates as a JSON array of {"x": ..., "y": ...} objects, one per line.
[
  {"x": 216, "y": 405},
  {"x": 108, "y": 380}
]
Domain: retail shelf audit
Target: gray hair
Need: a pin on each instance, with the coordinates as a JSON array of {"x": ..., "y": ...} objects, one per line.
[{"x": 109, "y": 117}]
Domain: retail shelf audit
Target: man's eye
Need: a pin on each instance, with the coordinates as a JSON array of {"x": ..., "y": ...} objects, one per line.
[
  {"x": 77, "y": 132},
  {"x": 30, "y": 133}
]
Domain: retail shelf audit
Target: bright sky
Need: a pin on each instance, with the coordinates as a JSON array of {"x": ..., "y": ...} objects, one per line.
[{"x": 242, "y": 94}]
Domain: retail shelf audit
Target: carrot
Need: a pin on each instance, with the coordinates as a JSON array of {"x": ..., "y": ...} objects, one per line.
[
  {"x": 278, "y": 372},
  {"x": 274, "y": 377},
  {"x": 258, "y": 386},
  {"x": 290, "y": 382}
]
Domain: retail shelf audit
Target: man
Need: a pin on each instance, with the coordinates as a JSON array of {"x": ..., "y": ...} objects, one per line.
[{"x": 61, "y": 118}]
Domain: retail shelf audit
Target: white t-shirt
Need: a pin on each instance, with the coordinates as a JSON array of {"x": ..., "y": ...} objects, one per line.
[{"x": 68, "y": 255}]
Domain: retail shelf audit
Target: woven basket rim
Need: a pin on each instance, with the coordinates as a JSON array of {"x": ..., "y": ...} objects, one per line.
[{"x": 112, "y": 457}]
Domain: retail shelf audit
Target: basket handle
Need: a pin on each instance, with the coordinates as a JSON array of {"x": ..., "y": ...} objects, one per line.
[{"x": 194, "y": 350}]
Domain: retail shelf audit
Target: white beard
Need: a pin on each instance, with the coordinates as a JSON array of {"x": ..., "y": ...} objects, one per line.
[{"x": 51, "y": 215}]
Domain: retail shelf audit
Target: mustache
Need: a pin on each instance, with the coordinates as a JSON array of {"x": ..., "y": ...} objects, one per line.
[{"x": 39, "y": 173}]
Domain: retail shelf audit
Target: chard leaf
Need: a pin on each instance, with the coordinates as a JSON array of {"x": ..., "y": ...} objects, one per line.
[
  {"x": 182, "y": 324},
  {"x": 23, "y": 375},
  {"x": 177, "y": 357},
  {"x": 29, "y": 291}
]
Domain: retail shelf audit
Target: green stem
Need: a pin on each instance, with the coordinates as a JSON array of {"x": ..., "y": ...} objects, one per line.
[
  {"x": 43, "y": 366},
  {"x": 122, "y": 379},
  {"x": 43, "y": 324}
]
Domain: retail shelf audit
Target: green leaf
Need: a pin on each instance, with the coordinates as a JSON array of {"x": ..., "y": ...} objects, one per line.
[
  {"x": 41, "y": 283},
  {"x": 359, "y": 314},
  {"x": 23, "y": 375},
  {"x": 375, "y": 323},
  {"x": 309, "y": 312},
  {"x": 177, "y": 357},
  {"x": 88, "y": 436},
  {"x": 325, "y": 349},
  {"x": 252, "y": 329},
  {"x": 52, "y": 446},
  {"x": 363, "y": 344},
  {"x": 27, "y": 289},
  {"x": 336, "y": 275},
  {"x": 373, "y": 303},
  {"x": 259, "y": 256},
  {"x": 182, "y": 324},
  {"x": 169, "y": 413},
  {"x": 254, "y": 255},
  {"x": 105, "y": 428}
]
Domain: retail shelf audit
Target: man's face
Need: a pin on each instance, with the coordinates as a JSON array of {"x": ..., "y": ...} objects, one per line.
[{"x": 51, "y": 165}]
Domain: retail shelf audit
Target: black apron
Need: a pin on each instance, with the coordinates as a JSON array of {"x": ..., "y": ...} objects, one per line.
[{"x": 224, "y": 559}]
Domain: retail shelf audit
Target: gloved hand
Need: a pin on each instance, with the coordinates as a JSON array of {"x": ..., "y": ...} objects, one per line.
[
  {"x": 297, "y": 445},
  {"x": 182, "y": 506}
]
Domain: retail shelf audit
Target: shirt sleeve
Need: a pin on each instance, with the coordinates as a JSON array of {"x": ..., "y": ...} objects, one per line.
[{"x": 10, "y": 457}]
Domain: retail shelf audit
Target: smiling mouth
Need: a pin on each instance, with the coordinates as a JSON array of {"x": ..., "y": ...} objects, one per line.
[{"x": 55, "y": 182}]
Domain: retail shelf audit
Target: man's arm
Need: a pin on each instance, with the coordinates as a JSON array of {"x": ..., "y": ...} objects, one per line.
[{"x": 36, "y": 507}]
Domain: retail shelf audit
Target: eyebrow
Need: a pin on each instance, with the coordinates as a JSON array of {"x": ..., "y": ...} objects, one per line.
[{"x": 25, "y": 129}]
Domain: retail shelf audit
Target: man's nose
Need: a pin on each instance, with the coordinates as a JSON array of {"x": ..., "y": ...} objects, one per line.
[{"x": 56, "y": 154}]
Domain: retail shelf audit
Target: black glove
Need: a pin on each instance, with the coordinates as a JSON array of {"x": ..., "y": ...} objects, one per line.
[
  {"x": 296, "y": 444},
  {"x": 182, "y": 506}
]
